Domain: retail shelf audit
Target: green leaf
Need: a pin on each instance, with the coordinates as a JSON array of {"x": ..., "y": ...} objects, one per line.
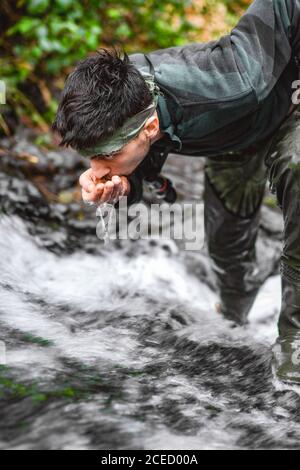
[
  {"x": 65, "y": 4},
  {"x": 42, "y": 31},
  {"x": 114, "y": 14},
  {"x": 92, "y": 37},
  {"x": 123, "y": 31},
  {"x": 37, "y": 6},
  {"x": 25, "y": 25}
]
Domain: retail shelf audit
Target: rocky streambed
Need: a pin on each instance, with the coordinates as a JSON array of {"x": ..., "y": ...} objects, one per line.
[{"x": 119, "y": 346}]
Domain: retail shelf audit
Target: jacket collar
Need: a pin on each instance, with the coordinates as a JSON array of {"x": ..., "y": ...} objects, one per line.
[
  {"x": 166, "y": 124},
  {"x": 143, "y": 64}
]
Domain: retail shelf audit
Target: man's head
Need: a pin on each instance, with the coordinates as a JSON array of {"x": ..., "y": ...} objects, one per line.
[{"x": 107, "y": 111}]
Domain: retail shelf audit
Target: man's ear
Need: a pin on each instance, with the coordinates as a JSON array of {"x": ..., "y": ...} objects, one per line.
[{"x": 151, "y": 127}]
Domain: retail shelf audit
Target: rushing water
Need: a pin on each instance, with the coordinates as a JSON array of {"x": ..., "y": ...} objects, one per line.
[{"x": 120, "y": 347}]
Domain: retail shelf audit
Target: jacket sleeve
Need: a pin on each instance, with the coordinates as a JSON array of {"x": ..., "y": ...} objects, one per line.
[
  {"x": 264, "y": 41},
  {"x": 150, "y": 166}
]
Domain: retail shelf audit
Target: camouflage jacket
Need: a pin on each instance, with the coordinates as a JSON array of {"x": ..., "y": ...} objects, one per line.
[{"x": 224, "y": 95}]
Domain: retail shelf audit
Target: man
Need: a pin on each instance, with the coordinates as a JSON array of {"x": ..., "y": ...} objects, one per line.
[{"x": 228, "y": 100}]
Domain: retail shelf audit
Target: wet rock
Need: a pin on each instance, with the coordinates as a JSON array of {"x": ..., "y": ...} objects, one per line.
[{"x": 31, "y": 180}]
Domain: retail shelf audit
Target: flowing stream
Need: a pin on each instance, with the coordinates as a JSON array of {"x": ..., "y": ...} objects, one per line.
[{"x": 119, "y": 346}]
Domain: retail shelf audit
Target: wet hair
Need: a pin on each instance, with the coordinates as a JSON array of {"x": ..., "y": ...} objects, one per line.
[{"x": 102, "y": 92}]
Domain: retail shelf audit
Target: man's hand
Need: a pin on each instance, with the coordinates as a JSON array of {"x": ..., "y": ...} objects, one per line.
[{"x": 97, "y": 192}]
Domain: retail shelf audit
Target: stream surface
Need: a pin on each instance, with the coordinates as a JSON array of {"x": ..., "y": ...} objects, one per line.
[{"x": 119, "y": 346}]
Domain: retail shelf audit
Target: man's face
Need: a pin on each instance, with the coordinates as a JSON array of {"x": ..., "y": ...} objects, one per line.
[
  {"x": 118, "y": 167},
  {"x": 125, "y": 161}
]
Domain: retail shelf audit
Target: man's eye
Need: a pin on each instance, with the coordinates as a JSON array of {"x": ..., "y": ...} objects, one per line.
[
  {"x": 109, "y": 157},
  {"x": 104, "y": 157}
]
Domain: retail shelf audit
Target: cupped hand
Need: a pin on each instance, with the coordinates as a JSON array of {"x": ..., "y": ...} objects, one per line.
[{"x": 99, "y": 192}]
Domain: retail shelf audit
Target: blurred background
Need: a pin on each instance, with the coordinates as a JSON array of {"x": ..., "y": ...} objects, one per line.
[{"x": 41, "y": 40}]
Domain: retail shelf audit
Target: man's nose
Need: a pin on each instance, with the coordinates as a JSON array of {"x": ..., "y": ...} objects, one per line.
[{"x": 100, "y": 168}]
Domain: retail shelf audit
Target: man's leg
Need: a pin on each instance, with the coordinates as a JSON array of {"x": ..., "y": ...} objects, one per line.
[
  {"x": 234, "y": 190},
  {"x": 283, "y": 163}
]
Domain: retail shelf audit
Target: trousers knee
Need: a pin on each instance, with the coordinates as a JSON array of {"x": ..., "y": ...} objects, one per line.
[
  {"x": 241, "y": 193},
  {"x": 284, "y": 179}
]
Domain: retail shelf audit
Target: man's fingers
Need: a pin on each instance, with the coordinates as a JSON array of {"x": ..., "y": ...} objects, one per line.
[
  {"x": 88, "y": 197},
  {"x": 125, "y": 186},
  {"x": 117, "y": 188},
  {"x": 121, "y": 187},
  {"x": 111, "y": 192},
  {"x": 107, "y": 192},
  {"x": 93, "y": 196},
  {"x": 116, "y": 179},
  {"x": 86, "y": 181}
]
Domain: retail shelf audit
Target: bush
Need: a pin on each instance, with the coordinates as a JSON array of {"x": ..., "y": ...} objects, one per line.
[{"x": 41, "y": 39}]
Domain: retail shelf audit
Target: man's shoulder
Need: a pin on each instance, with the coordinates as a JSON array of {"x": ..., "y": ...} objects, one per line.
[
  {"x": 142, "y": 63},
  {"x": 197, "y": 72},
  {"x": 177, "y": 54}
]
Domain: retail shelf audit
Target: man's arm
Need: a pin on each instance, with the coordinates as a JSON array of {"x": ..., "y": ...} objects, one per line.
[{"x": 264, "y": 41}]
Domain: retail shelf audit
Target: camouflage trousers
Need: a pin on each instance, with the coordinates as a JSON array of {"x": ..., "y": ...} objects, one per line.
[{"x": 234, "y": 190}]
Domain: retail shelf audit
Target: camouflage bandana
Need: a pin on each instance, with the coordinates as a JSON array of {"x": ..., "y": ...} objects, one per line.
[{"x": 129, "y": 130}]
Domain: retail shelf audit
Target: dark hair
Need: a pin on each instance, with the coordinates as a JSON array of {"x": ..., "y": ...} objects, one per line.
[{"x": 99, "y": 95}]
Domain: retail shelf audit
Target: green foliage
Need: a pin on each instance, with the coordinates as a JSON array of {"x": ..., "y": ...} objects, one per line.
[
  {"x": 43, "y": 39},
  {"x": 54, "y": 35}
]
